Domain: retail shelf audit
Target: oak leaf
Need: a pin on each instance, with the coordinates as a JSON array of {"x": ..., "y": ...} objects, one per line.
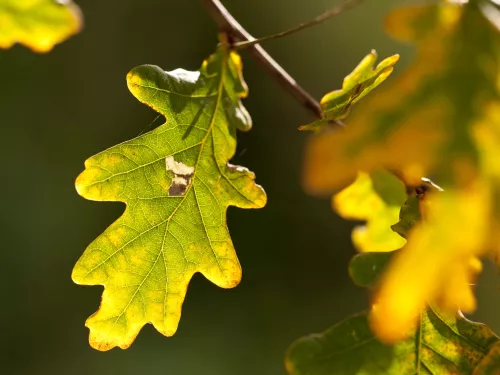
[
  {"x": 441, "y": 343},
  {"x": 176, "y": 183}
]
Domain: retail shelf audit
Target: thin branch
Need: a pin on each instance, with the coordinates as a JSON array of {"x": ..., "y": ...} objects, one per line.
[
  {"x": 335, "y": 11},
  {"x": 226, "y": 23}
]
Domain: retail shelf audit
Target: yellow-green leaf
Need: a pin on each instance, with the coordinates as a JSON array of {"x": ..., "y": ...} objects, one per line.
[
  {"x": 442, "y": 345},
  {"x": 177, "y": 184},
  {"x": 336, "y": 105},
  {"x": 376, "y": 198},
  {"x": 38, "y": 24}
]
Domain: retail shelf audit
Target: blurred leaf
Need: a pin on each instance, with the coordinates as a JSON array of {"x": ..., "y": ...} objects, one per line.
[
  {"x": 424, "y": 122},
  {"x": 438, "y": 264},
  {"x": 410, "y": 213},
  {"x": 364, "y": 78},
  {"x": 376, "y": 198},
  {"x": 439, "y": 119},
  {"x": 177, "y": 184},
  {"x": 366, "y": 268},
  {"x": 38, "y": 24},
  {"x": 442, "y": 345}
]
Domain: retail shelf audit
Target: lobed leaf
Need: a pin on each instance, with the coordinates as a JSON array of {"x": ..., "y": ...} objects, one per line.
[
  {"x": 38, "y": 24},
  {"x": 442, "y": 345},
  {"x": 439, "y": 344},
  {"x": 177, "y": 184}
]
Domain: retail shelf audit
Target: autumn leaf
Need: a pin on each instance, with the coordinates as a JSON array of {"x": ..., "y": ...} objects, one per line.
[
  {"x": 38, "y": 24},
  {"x": 439, "y": 344},
  {"x": 424, "y": 122},
  {"x": 336, "y": 105},
  {"x": 437, "y": 119},
  {"x": 436, "y": 265},
  {"x": 442, "y": 345},
  {"x": 377, "y": 199},
  {"x": 177, "y": 184}
]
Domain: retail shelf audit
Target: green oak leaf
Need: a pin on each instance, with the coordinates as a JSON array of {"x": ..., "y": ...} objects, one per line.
[
  {"x": 177, "y": 184},
  {"x": 442, "y": 345},
  {"x": 38, "y": 24},
  {"x": 337, "y": 104}
]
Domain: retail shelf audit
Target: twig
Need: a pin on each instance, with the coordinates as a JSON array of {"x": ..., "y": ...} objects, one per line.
[
  {"x": 335, "y": 11},
  {"x": 226, "y": 22}
]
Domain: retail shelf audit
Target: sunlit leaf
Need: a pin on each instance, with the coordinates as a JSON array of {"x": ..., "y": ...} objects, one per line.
[
  {"x": 177, "y": 184},
  {"x": 376, "y": 198},
  {"x": 442, "y": 345},
  {"x": 38, "y": 24},
  {"x": 336, "y": 105}
]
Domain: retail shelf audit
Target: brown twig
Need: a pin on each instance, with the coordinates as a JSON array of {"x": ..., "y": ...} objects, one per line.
[
  {"x": 335, "y": 11},
  {"x": 226, "y": 23}
]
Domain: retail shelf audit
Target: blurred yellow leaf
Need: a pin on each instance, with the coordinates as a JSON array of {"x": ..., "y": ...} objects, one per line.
[
  {"x": 421, "y": 123},
  {"x": 440, "y": 119},
  {"x": 38, "y": 24},
  {"x": 377, "y": 198},
  {"x": 438, "y": 264}
]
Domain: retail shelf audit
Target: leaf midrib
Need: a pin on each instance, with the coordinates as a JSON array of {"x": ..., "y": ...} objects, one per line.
[{"x": 161, "y": 252}]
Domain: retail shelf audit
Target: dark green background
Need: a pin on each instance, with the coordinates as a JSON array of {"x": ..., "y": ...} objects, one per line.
[{"x": 58, "y": 109}]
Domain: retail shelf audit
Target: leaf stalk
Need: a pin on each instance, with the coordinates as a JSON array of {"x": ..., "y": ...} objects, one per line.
[
  {"x": 228, "y": 24},
  {"x": 333, "y": 12}
]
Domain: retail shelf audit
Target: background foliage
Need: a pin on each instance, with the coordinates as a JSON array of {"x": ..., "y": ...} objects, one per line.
[{"x": 58, "y": 109}]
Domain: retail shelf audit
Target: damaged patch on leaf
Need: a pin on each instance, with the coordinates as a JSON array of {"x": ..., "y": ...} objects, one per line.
[{"x": 182, "y": 176}]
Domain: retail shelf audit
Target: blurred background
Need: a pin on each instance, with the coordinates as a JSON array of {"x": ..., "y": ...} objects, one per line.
[{"x": 58, "y": 109}]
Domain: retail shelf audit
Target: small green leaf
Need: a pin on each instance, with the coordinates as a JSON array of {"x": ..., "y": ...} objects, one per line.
[
  {"x": 408, "y": 216},
  {"x": 177, "y": 184},
  {"x": 364, "y": 78},
  {"x": 442, "y": 346},
  {"x": 410, "y": 213},
  {"x": 366, "y": 268},
  {"x": 38, "y": 24}
]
